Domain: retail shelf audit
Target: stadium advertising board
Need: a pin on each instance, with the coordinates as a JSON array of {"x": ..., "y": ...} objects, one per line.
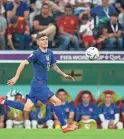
[{"x": 63, "y": 56}]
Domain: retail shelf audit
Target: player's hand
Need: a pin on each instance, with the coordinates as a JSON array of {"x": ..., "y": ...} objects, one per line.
[
  {"x": 12, "y": 81},
  {"x": 69, "y": 77}
]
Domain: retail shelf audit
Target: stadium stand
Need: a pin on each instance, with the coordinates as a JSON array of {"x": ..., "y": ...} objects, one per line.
[{"x": 96, "y": 16}]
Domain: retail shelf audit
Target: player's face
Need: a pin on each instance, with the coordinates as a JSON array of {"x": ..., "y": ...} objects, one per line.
[
  {"x": 19, "y": 98},
  {"x": 85, "y": 98},
  {"x": 62, "y": 96},
  {"x": 108, "y": 98},
  {"x": 43, "y": 42}
]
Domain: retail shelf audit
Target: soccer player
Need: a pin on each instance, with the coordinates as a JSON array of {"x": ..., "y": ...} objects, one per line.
[
  {"x": 109, "y": 113},
  {"x": 67, "y": 108},
  {"x": 86, "y": 112},
  {"x": 43, "y": 60}
]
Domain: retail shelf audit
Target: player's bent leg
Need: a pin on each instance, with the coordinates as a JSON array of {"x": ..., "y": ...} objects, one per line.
[
  {"x": 50, "y": 124},
  {"x": 105, "y": 124},
  {"x": 9, "y": 124},
  {"x": 55, "y": 101},
  {"x": 27, "y": 108},
  {"x": 58, "y": 110},
  {"x": 34, "y": 124},
  {"x": 60, "y": 115},
  {"x": 14, "y": 104},
  {"x": 119, "y": 125}
]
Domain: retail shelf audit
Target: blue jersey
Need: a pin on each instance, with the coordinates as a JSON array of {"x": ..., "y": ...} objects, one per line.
[
  {"x": 41, "y": 64},
  {"x": 109, "y": 112},
  {"x": 91, "y": 110},
  {"x": 66, "y": 109},
  {"x": 41, "y": 114}
]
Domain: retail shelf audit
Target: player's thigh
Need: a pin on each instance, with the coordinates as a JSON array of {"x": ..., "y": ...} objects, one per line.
[
  {"x": 40, "y": 92},
  {"x": 55, "y": 100},
  {"x": 28, "y": 106}
]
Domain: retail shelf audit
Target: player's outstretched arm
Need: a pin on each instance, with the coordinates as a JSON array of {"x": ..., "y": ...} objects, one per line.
[
  {"x": 12, "y": 81},
  {"x": 58, "y": 70}
]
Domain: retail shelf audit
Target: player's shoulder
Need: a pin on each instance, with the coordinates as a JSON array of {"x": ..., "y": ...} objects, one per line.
[
  {"x": 69, "y": 103},
  {"x": 80, "y": 106},
  {"x": 93, "y": 105},
  {"x": 113, "y": 105},
  {"x": 49, "y": 51},
  {"x": 102, "y": 105},
  {"x": 36, "y": 52}
]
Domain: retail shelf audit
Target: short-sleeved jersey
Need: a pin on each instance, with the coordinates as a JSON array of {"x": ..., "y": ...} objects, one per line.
[
  {"x": 91, "y": 110},
  {"x": 66, "y": 109},
  {"x": 108, "y": 112},
  {"x": 41, "y": 114},
  {"x": 41, "y": 64}
]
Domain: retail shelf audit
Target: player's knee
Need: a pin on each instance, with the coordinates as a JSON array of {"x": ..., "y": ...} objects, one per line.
[
  {"x": 27, "y": 108},
  {"x": 1, "y": 125},
  {"x": 119, "y": 125},
  {"x": 58, "y": 102},
  {"x": 34, "y": 124},
  {"x": 50, "y": 124},
  {"x": 27, "y": 124},
  {"x": 9, "y": 124}
]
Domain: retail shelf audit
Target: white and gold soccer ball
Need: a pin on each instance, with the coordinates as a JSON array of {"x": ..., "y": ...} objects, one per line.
[{"x": 92, "y": 53}]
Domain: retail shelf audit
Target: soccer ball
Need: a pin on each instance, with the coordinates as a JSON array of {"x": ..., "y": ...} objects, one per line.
[{"x": 92, "y": 53}]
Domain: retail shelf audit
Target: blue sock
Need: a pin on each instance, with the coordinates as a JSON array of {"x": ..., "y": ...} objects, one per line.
[
  {"x": 60, "y": 115},
  {"x": 14, "y": 104}
]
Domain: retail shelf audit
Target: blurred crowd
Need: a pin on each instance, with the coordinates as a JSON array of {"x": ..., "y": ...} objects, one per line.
[
  {"x": 69, "y": 24},
  {"x": 107, "y": 112}
]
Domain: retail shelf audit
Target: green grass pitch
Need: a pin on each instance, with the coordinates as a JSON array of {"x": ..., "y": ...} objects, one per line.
[{"x": 58, "y": 134}]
